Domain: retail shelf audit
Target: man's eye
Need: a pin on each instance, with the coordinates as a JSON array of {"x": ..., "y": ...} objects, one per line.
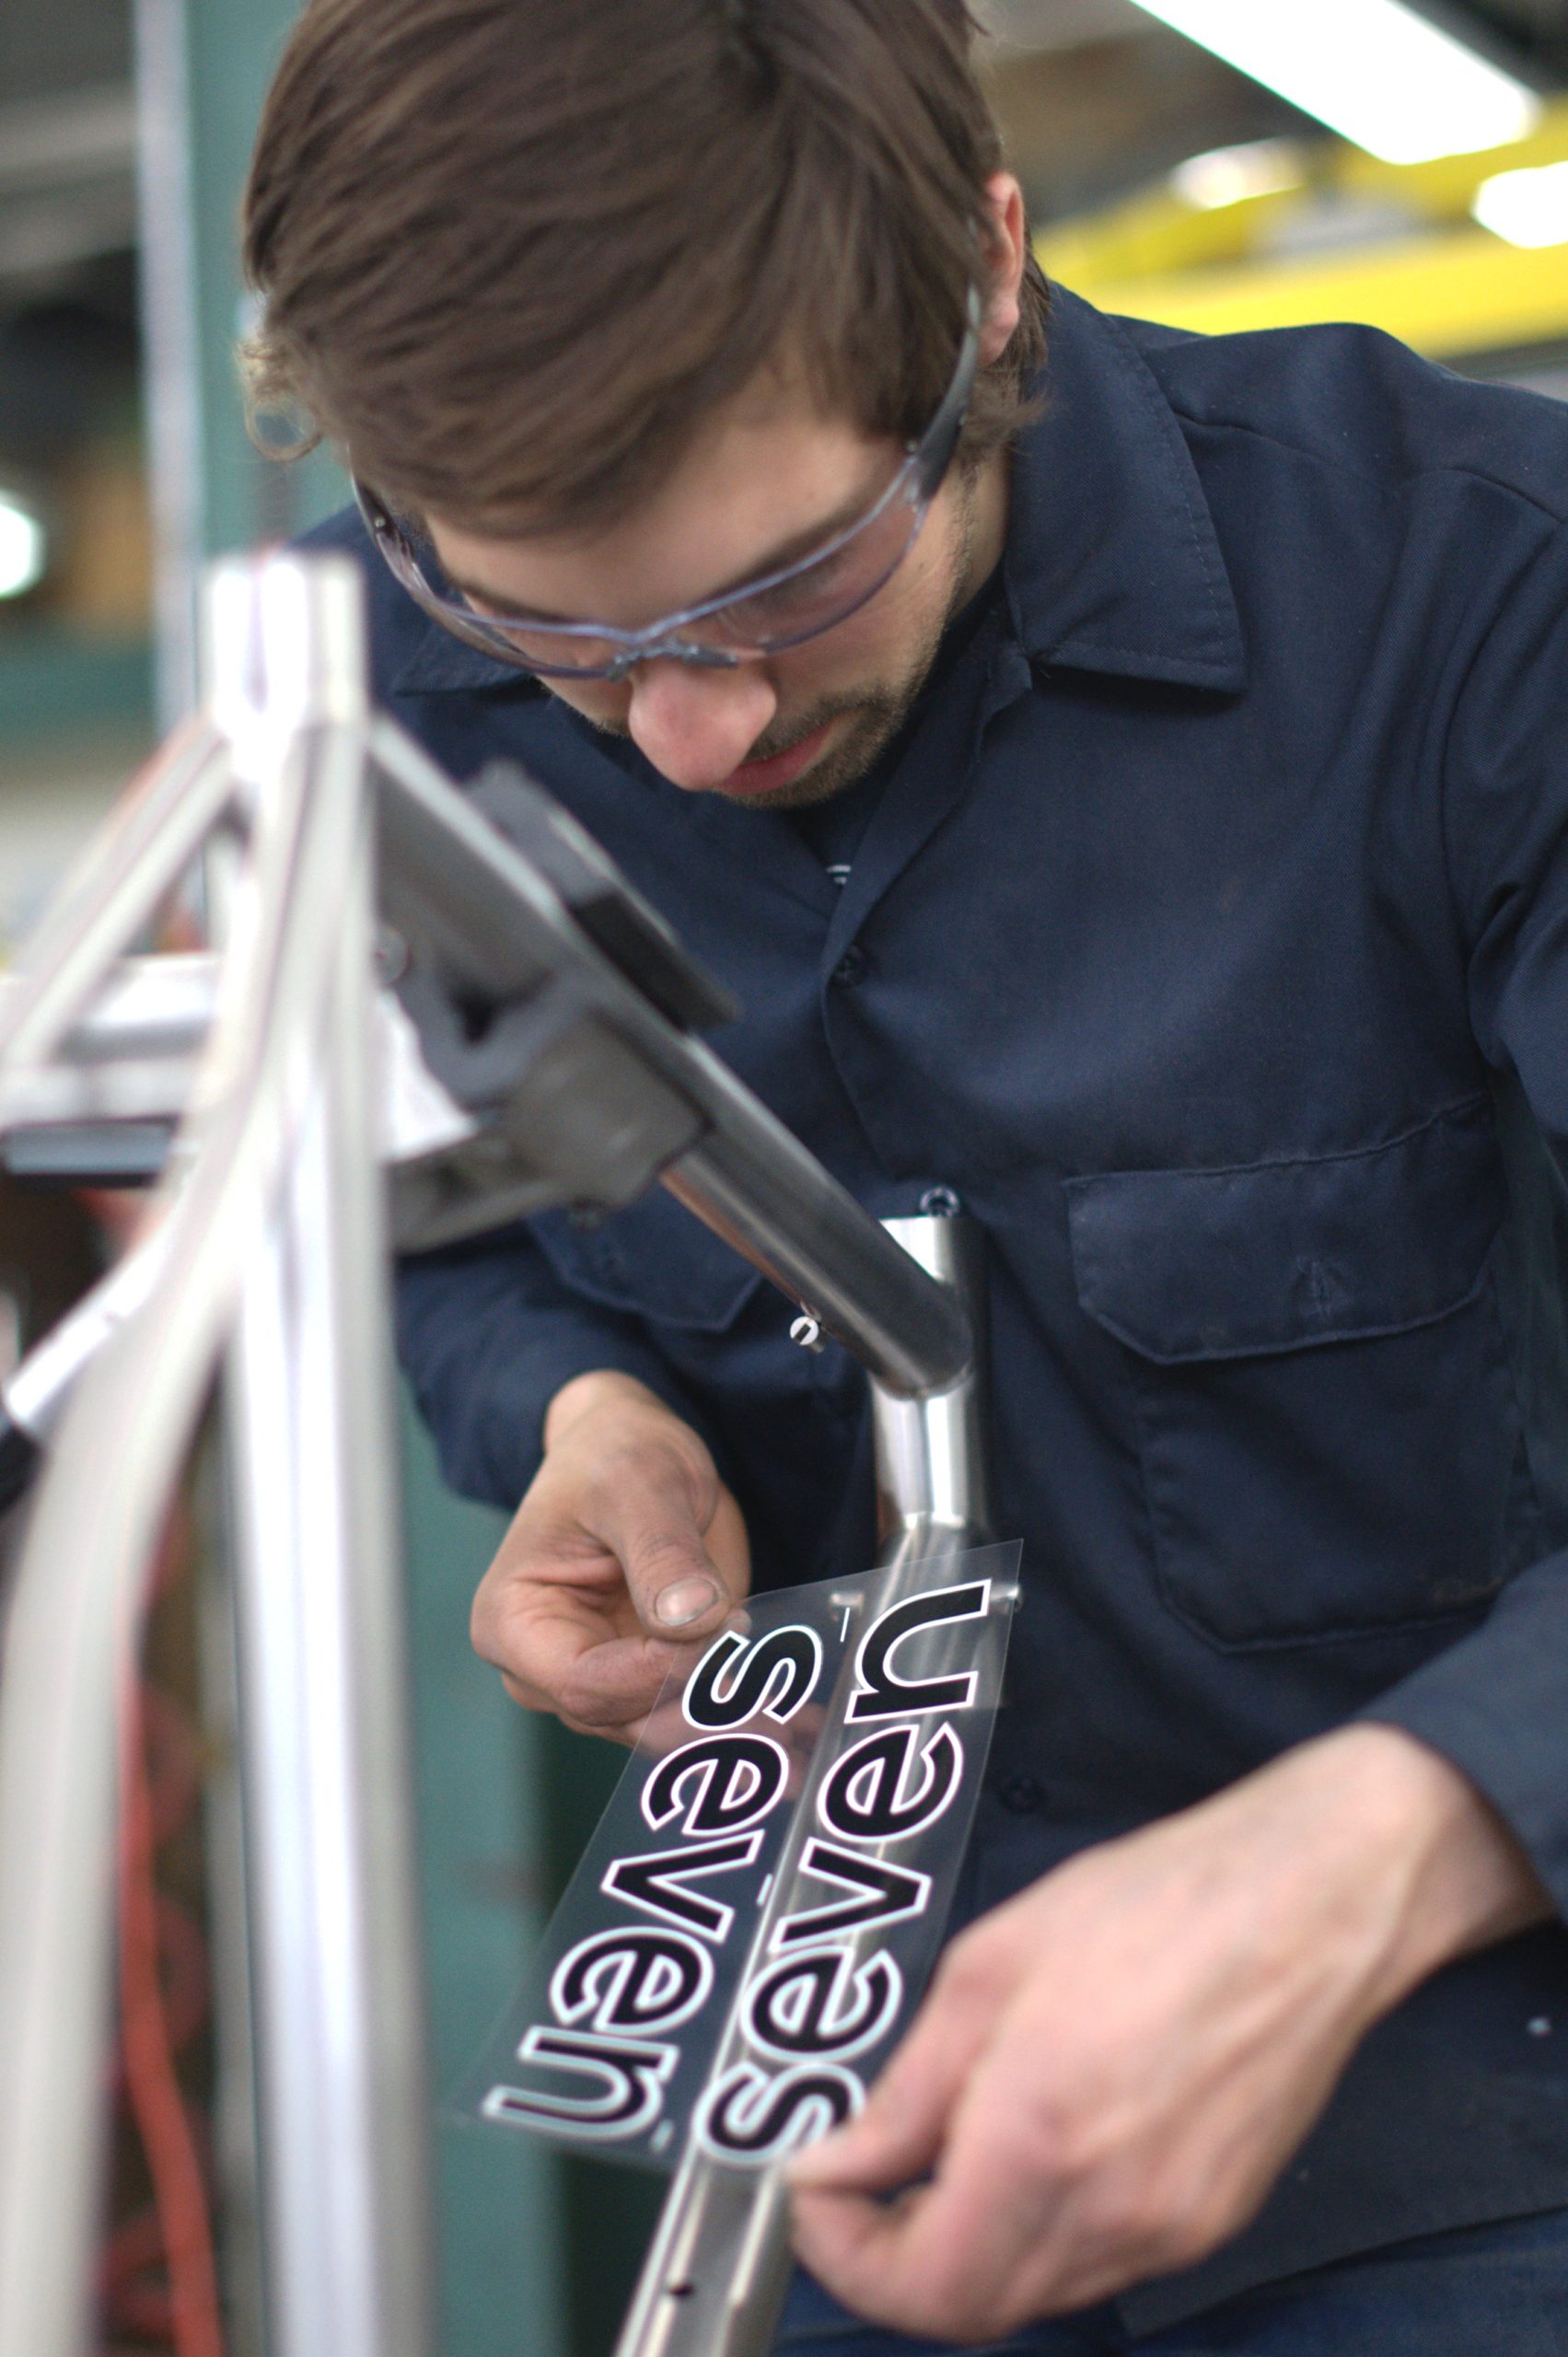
[
  {"x": 486, "y": 608},
  {"x": 821, "y": 584}
]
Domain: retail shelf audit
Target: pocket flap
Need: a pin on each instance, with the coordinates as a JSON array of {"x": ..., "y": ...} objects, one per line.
[
  {"x": 655, "y": 1260},
  {"x": 1212, "y": 1264}
]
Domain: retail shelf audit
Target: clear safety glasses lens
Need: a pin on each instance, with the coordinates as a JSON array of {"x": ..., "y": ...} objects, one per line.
[{"x": 782, "y": 612}]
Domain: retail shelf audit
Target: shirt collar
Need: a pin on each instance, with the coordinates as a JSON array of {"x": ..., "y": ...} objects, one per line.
[
  {"x": 440, "y": 663},
  {"x": 1113, "y": 564}
]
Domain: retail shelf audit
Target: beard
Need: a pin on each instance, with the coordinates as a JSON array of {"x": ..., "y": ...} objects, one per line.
[
  {"x": 875, "y": 718},
  {"x": 879, "y": 711}
]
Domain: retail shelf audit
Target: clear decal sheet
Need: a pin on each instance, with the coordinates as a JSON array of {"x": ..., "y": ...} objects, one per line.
[{"x": 760, "y": 1906}]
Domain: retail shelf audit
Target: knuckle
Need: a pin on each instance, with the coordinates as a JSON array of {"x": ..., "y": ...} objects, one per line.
[
  {"x": 618, "y": 1729},
  {"x": 484, "y": 1631},
  {"x": 646, "y": 1447},
  {"x": 516, "y": 1559},
  {"x": 666, "y": 1548},
  {"x": 1064, "y": 2132},
  {"x": 599, "y": 1711},
  {"x": 600, "y": 1486},
  {"x": 527, "y": 1698},
  {"x": 949, "y": 2309},
  {"x": 576, "y": 1697},
  {"x": 496, "y": 1637},
  {"x": 1123, "y": 2218},
  {"x": 1190, "y": 2235},
  {"x": 999, "y": 2315},
  {"x": 623, "y": 1499},
  {"x": 1144, "y": 2228},
  {"x": 676, "y": 1463},
  {"x": 964, "y": 1976},
  {"x": 1061, "y": 2146}
]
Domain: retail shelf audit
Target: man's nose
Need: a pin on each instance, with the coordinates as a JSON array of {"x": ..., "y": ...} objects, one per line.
[{"x": 697, "y": 725}]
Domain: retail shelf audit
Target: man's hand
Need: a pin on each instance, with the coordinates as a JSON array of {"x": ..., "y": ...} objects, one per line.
[
  {"x": 1112, "y": 2069},
  {"x": 627, "y": 1553}
]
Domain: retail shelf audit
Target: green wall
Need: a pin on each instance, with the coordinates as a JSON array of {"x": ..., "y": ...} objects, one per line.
[
  {"x": 233, "y": 46},
  {"x": 486, "y": 1877}
]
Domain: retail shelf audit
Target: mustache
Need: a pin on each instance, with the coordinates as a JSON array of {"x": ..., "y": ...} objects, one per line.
[
  {"x": 874, "y": 711},
  {"x": 869, "y": 709}
]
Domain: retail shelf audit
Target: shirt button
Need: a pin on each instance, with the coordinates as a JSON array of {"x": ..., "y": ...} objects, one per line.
[
  {"x": 940, "y": 1203},
  {"x": 1020, "y": 1793},
  {"x": 851, "y": 968}
]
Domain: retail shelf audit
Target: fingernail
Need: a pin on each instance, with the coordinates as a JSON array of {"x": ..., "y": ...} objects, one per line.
[
  {"x": 814, "y": 2162},
  {"x": 683, "y": 1601}
]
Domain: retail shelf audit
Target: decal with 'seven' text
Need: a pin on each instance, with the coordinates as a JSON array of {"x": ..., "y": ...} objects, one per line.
[{"x": 762, "y": 1903}]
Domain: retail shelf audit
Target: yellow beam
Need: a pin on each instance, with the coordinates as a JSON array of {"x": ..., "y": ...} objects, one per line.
[
  {"x": 1447, "y": 286},
  {"x": 1156, "y": 230},
  {"x": 1447, "y": 294},
  {"x": 1445, "y": 188}
]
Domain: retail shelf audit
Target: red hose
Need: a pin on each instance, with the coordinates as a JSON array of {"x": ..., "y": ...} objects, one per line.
[{"x": 178, "y": 2224}]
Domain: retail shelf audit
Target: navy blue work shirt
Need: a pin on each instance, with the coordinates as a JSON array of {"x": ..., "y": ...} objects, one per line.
[{"x": 1210, "y": 943}]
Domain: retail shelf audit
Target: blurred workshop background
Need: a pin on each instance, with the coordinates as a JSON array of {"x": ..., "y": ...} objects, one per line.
[{"x": 1220, "y": 163}]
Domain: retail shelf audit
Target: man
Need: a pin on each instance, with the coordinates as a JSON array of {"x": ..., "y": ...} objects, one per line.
[{"x": 1139, "y": 815}]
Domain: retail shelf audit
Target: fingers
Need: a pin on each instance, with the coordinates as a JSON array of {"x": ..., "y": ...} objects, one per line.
[
  {"x": 675, "y": 1586},
  {"x": 587, "y": 1663},
  {"x": 624, "y": 1559},
  {"x": 854, "y": 2242},
  {"x": 654, "y": 1511},
  {"x": 604, "y": 1684},
  {"x": 948, "y": 2260},
  {"x": 896, "y": 2136},
  {"x": 938, "y": 2259},
  {"x": 1113, "y": 2068},
  {"x": 945, "y": 2259},
  {"x": 1022, "y": 2220}
]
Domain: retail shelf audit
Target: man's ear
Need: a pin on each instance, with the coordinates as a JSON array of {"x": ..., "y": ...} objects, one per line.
[{"x": 1009, "y": 251}]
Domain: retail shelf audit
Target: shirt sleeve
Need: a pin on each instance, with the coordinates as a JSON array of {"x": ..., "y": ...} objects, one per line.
[
  {"x": 1496, "y": 1704},
  {"x": 488, "y": 1334}
]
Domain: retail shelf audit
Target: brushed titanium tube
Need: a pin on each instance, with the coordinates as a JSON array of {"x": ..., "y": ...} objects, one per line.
[
  {"x": 931, "y": 1453},
  {"x": 752, "y": 1183},
  {"x": 74, "y": 1610},
  {"x": 501, "y": 926},
  {"x": 337, "y": 2000},
  {"x": 717, "y": 2272},
  {"x": 132, "y": 863},
  {"x": 159, "y": 1006},
  {"x": 34, "y": 1398}
]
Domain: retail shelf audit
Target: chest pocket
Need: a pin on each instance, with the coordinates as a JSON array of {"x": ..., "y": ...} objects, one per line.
[
  {"x": 653, "y": 1260},
  {"x": 1327, "y": 1419}
]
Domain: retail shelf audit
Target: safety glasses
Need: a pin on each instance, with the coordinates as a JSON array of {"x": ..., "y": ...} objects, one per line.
[{"x": 765, "y": 617}]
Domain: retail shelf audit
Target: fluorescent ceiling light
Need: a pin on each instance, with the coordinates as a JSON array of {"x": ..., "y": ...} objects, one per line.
[
  {"x": 1372, "y": 70},
  {"x": 1230, "y": 175},
  {"x": 22, "y": 548},
  {"x": 1527, "y": 208}
]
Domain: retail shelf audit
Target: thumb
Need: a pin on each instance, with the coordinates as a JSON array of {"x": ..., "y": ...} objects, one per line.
[
  {"x": 898, "y": 2135},
  {"x": 656, "y": 1530}
]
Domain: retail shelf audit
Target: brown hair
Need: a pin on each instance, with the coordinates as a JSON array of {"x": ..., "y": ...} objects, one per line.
[{"x": 512, "y": 250}]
